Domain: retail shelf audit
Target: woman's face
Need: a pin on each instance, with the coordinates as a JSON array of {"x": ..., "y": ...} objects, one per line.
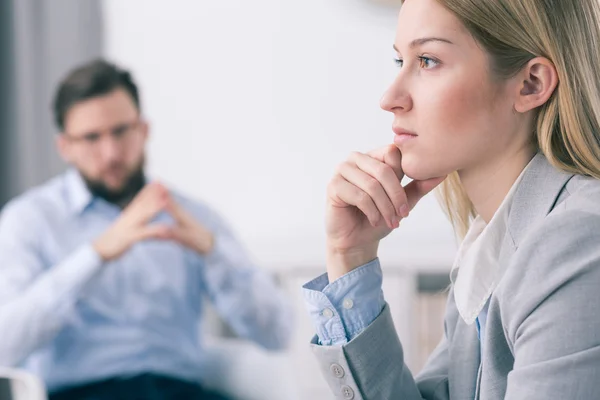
[{"x": 455, "y": 114}]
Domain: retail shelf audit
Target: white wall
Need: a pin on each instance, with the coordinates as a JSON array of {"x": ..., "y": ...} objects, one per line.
[{"x": 253, "y": 103}]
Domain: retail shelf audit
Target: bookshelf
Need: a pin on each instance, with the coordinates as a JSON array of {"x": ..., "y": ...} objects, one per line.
[{"x": 429, "y": 305}]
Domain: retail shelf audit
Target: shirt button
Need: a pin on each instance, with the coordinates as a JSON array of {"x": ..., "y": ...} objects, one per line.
[
  {"x": 348, "y": 304},
  {"x": 327, "y": 313},
  {"x": 337, "y": 371},
  {"x": 347, "y": 392}
]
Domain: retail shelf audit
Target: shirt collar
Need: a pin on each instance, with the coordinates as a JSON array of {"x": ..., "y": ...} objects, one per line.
[
  {"x": 477, "y": 270},
  {"x": 79, "y": 195}
]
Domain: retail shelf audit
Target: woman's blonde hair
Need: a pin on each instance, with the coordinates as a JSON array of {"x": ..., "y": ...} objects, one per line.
[{"x": 567, "y": 32}]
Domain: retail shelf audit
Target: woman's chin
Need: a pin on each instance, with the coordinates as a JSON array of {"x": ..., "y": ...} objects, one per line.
[
  {"x": 419, "y": 169},
  {"x": 414, "y": 169}
]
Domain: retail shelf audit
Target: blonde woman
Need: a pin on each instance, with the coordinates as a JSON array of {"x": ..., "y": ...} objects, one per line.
[{"x": 500, "y": 100}]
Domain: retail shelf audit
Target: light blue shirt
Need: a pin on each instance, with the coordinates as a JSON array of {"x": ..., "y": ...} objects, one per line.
[
  {"x": 343, "y": 309},
  {"x": 72, "y": 319}
]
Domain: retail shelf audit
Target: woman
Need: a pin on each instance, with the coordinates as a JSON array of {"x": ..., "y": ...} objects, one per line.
[{"x": 500, "y": 100}]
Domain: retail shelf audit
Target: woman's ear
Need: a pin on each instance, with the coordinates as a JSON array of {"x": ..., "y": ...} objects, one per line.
[{"x": 538, "y": 80}]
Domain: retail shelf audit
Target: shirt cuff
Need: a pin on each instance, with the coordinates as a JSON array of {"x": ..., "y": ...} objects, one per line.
[{"x": 343, "y": 309}]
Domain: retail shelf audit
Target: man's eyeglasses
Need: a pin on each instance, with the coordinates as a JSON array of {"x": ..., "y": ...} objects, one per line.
[{"x": 121, "y": 133}]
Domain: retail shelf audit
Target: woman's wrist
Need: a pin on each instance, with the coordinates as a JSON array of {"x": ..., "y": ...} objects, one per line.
[{"x": 342, "y": 261}]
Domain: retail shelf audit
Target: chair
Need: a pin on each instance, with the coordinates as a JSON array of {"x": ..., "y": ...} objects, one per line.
[
  {"x": 241, "y": 369},
  {"x": 20, "y": 385},
  {"x": 244, "y": 371}
]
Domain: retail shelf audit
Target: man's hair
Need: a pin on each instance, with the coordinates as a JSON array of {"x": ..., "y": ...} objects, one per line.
[{"x": 93, "y": 79}]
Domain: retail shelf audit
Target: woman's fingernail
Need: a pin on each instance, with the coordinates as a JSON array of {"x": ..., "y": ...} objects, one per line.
[{"x": 404, "y": 210}]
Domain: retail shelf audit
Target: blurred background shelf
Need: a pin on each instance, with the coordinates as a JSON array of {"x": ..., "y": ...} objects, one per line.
[{"x": 417, "y": 301}]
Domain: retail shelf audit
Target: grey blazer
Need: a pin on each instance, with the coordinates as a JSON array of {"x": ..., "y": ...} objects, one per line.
[{"x": 542, "y": 338}]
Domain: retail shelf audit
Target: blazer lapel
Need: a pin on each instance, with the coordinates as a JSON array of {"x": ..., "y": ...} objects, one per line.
[{"x": 534, "y": 198}]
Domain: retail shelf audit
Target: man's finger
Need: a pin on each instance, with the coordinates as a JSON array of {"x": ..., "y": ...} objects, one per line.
[
  {"x": 155, "y": 231},
  {"x": 417, "y": 189},
  {"x": 145, "y": 211},
  {"x": 148, "y": 204},
  {"x": 177, "y": 211},
  {"x": 149, "y": 190}
]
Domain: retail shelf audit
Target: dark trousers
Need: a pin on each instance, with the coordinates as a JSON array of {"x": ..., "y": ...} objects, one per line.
[{"x": 141, "y": 387}]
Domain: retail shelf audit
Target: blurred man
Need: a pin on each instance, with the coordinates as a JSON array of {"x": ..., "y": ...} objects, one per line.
[{"x": 103, "y": 273}]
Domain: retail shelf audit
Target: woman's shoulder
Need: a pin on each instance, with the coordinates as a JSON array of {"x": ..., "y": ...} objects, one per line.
[
  {"x": 557, "y": 258},
  {"x": 562, "y": 245},
  {"x": 573, "y": 223},
  {"x": 582, "y": 195},
  {"x": 575, "y": 214}
]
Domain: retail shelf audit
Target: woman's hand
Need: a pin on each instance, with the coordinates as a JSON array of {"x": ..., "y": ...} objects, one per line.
[{"x": 365, "y": 202}]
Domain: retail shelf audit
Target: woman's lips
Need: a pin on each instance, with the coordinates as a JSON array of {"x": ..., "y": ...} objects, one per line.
[{"x": 402, "y": 135}]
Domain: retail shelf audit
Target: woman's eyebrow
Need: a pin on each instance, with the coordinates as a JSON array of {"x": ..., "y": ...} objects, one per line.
[{"x": 422, "y": 41}]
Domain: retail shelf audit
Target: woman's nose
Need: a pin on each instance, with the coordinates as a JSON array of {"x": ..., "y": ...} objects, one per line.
[{"x": 396, "y": 97}]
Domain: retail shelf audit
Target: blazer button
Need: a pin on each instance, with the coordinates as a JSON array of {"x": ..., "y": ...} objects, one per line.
[
  {"x": 337, "y": 371},
  {"x": 347, "y": 392}
]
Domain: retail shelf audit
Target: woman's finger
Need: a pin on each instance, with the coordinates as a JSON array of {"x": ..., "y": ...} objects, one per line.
[
  {"x": 391, "y": 156},
  {"x": 344, "y": 192},
  {"x": 373, "y": 188},
  {"x": 387, "y": 178}
]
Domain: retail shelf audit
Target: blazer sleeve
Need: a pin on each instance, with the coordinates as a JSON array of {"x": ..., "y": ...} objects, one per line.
[
  {"x": 372, "y": 367},
  {"x": 552, "y": 311}
]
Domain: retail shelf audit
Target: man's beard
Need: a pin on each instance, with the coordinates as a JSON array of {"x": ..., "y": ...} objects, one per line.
[{"x": 133, "y": 184}]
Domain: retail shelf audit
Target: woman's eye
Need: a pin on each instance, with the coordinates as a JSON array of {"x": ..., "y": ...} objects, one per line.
[
  {"x": 398, "y": 62},
  {"x": 426, "y": 62}
]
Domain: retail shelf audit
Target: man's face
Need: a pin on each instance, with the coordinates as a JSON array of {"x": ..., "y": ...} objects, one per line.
[{"x": 104, "y": 139}]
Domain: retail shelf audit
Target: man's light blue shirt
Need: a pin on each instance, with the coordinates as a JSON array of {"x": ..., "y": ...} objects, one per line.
[{"x": 70, "y": 318}]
